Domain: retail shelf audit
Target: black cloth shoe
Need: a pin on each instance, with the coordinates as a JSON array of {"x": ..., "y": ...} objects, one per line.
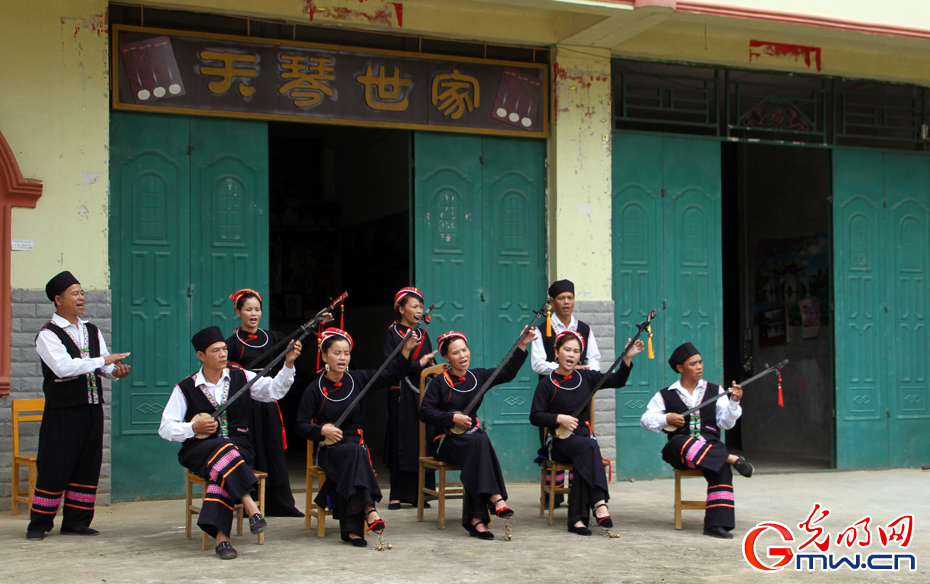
[
  {"x": 226, "y": 551},
  {"x": 473, "y": 531},
  {"x": 606, "y": 522},
  {"x": 79, "y": 530},
  {"x": 393, "y": 506},
  {"x": 257, "y": 523},
  {"x": 35, "y": 535},
  {"x": 357, "y": 541},
  {"x": 579, "y": 530},
  {"x": 743, "y": 467},
  {"x": 718, "y": 531}
]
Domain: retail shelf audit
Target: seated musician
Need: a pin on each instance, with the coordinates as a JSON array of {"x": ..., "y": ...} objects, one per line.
[
  {"x": 225, "y": 457},
  {"x": 695, "y": 441}
]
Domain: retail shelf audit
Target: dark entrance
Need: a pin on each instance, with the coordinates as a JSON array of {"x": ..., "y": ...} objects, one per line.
[
  {"x": 339, "y": 200},
  {"x": 777, "y": 271}
]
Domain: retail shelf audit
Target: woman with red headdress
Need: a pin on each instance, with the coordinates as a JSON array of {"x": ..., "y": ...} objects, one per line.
[
  {"x": 402, "y": 452},
  {"x": 446, "y": 396},
  {"x": 351, "y": 485},
  {"x": 247, "y": 343},
  {"x": 558, "y": 395}
]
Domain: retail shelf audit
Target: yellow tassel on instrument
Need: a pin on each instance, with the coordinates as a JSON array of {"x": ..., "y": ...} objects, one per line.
[
  {"x": 652, "y": 354},
  {"x": 548, "y": 320}
]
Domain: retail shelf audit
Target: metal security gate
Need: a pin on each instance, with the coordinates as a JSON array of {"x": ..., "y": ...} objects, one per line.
[
  {"x": 188, "y": 225},
  {"x": 881, "y": 215},
  {"x": 666, "y": 256},
  {"x": 479, "y": 220}
]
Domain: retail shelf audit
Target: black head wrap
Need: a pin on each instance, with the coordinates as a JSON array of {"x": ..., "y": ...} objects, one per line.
[
  {"x": 561, "y": 286},
  {"x": 203, "y": 339},
  {"x": 682, "y": 354},
  {"x": 59, "y": 284}
]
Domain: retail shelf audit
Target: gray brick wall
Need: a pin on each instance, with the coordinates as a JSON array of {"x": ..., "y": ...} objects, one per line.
[
  {"x": 31, "y": 310},
  {"x": 600, "y": 316}
]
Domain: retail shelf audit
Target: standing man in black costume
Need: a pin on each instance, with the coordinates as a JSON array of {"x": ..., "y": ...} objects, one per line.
[
  {"x": 226, "y": 456},
  {"x": 74, "y": 361},
  {"x": 542, "y": 359},
  {"x": 696, "y": 441}
]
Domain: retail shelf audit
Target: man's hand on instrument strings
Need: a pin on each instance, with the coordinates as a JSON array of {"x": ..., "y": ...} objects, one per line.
[
  {"x": 204, "y": 425},
  {"x": 676, "y": 420},
  {"x": 529, "y": 335},
  {"x": 293, "y": 354},
  {"x": 635, "y": 349},
  {"x": 331, "y": 432},
  {"x": 462, "y": 421},
  {"x": 736, "y": 392},
  {"x": 567, "y": 422}
]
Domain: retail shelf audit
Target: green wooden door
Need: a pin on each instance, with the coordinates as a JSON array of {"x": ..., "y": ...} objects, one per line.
[
  {"x": 666, "y": 256},
  {"x": 881, "y": 261},
  {"x": 479, "y": 223},
  {"x": 168, "y": 268}
]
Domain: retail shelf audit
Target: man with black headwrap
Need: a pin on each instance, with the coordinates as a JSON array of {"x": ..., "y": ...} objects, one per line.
[
  {"x": 74, "y": 361},
  {"x": 542, "y": 357},
  {"x": 695, "y": 439}
]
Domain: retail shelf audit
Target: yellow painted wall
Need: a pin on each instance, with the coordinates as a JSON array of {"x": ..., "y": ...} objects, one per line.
[
  {"x": 580, "y": 171},
  {"x": 54, "y": 113}
]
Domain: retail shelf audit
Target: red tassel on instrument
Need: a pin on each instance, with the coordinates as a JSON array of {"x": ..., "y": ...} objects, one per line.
[
  {"x": 781, "y": 400},
  {"x": 342, "y": 317}
]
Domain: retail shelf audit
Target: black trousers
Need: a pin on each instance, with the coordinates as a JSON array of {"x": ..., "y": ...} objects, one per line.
[
  {"x": 710, "y": 457},
  {"x": 68, "y": 466}
]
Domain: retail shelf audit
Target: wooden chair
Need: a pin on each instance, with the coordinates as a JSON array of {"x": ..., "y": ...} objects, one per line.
[
  {"x": 312, "y": 509},
  {"x": 679, "y": 504},
  {"x": 192, "y": 509},
  {"x": 24, "y": 410},
  {"x": 443, "y": 490},
  {"x": 548, "y": 484}
]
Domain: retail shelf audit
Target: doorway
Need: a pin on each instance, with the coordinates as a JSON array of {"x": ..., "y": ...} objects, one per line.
[
  {"x": 339, "y": 200},
  {"x": 777, "y": 274}
]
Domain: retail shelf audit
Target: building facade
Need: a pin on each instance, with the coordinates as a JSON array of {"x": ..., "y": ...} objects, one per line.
[{"x": 757, "y": 173}]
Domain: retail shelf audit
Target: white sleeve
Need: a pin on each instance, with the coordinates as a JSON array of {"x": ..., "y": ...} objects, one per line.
[
  {"x": 106, "y": 370},
  {"x": 653, "y": 418},
  {"x": 269, "y": 389},
  {"x": 173, "y": 427},
  {"x": 727, "y": 412},
  {"x": 538, "y": 357},
  {"x": 53, "y": 353},
  {"x": 593, "y": 355}
]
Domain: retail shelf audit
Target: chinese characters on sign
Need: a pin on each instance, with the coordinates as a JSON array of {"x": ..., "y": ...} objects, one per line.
[{"x": 290, "y": 80}]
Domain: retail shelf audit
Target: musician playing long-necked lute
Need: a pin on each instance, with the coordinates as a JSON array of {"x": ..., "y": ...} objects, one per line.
[
  {"x": 557, "y": 396},
  {"x": 225, "y": 456},
  {"x": 330, "y": 413},
  {"x": 694, "y": 441},
  {"x": 449, "y": 410}
]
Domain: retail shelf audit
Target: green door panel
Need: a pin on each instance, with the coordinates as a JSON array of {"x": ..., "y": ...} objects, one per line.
[
  {"x": 171, "y": 177},
  {"x": 149, "y": 242},
  {"x": 513, "y": 192},
  {"x": 861, "y": 328},
  {"x": 229, "y": 173},
  {"x": 907, "y": 190},
  {"x": 692, "y": 245},
  {"x": 637, "y": 284},
  {"x": 666, "y": 256},
  {"x": 479, "y": 207}
]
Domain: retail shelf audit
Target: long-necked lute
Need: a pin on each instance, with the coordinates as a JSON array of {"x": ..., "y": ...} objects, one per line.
[
  {"x": 299, "y": 335},
  {"x": 342, "y": 417},
  {"x": 669, "y": 429},
  {"x": 487, "y": 384},
  {"x": 563, "y": 432}
]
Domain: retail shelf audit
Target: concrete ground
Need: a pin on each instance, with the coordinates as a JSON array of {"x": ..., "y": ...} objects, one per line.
[{"x": 144, "y": 541}]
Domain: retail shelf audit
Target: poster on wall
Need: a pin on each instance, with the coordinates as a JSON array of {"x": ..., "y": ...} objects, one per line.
[{"x": 792, "y": 279}]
